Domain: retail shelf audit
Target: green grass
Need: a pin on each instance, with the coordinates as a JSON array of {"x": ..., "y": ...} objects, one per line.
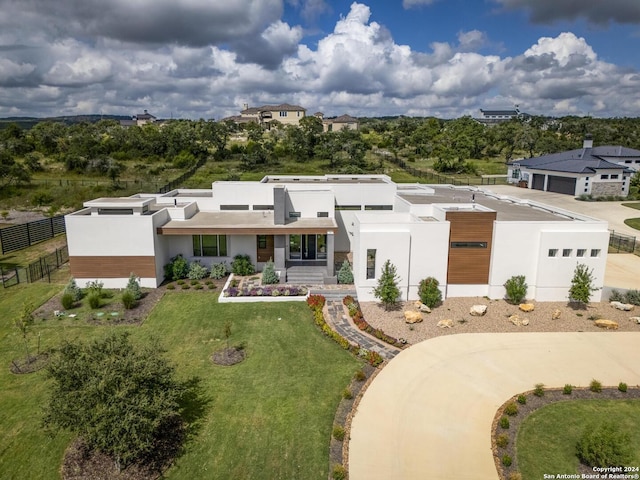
[
  {"x": 269, "y": 417},
  {"x": 22, "y": 258},
  {"x": 633, "y": 223},
  {"x": 635, "y": 205},
  {"x": 547, "y": 438}
]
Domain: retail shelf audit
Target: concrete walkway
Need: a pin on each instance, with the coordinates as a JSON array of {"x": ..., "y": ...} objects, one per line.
[{"x": 428, "y": 413}]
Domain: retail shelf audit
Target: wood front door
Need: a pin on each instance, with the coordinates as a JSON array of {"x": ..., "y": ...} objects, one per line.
[{"x": 265, "y": 248}]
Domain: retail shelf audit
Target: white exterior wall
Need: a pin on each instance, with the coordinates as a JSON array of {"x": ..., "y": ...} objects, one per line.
[
  {"x": 241, "y": 193},
  {"x": 309, "y": 202}
]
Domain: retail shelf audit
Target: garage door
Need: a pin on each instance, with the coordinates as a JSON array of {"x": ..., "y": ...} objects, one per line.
[
  {"x": 562, "y": 185},
  {"x": 538, "y": 182}
]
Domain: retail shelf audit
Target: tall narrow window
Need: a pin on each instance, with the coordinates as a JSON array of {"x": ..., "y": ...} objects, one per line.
[
  {"x": 321, "y": 245},
  {"x": 371, "y": 263},
  {"x": 294, "y": 247}
]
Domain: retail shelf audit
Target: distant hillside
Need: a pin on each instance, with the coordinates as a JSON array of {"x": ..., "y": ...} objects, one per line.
[{"x": 28, "y": 122}]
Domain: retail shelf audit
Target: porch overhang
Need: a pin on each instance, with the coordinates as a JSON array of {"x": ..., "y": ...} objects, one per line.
[{"x": 245, "y": 223}]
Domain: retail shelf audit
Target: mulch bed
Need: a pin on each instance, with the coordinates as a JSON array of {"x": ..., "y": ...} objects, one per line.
[
  {"x": 29, "y": 365},
  {"x": 533, "y": 404},
  {"x": 229, "y": 356}
]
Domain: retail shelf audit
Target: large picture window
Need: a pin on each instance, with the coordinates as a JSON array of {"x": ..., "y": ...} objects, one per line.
[{"x": 209, "y": 245}]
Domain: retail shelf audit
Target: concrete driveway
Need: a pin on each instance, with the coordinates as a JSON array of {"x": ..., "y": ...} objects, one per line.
[
  {"x": 428, "y": 414},
  {"x": 612, "y": 212}
]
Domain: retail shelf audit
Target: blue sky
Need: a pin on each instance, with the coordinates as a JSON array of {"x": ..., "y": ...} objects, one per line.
[{"x": 206, "y": 58}]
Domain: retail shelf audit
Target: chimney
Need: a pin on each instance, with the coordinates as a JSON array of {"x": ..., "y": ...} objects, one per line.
[
  {"x": 245, "y": 106},
  {"x": 588, "y": 141}
]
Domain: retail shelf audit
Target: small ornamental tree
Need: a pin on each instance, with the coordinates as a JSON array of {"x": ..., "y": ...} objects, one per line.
[
  {"x": 23, "y": 323},
  {"x": 582, "y": 284},
  {"x": 345, "y": 275},
  {"x": 121, "y": 399},
  {"x": 133, "y": 286},
  {"x": 269, "y": 275},
  {"x": 387, "y": 290},
  {"x": 516, "y": 289},
  {"x": 73, "y": 289},
  {"x": 429, "y": 292}
]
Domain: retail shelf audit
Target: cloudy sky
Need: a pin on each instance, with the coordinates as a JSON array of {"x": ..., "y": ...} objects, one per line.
[{"x": 206, "y": 58}]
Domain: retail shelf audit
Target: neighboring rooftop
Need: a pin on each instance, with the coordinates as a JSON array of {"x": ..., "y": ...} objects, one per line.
[{"x": 581, "y": 160}]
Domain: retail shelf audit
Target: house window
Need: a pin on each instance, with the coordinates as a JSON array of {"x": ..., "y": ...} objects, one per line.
[
  {"x": 321, "y": 246},
  {"x": 468, "y": 244},
  {"x": 283, "y": 114},
  {"x": 263, "y": 207},
  {"x": 262, "y": 242},
  {"x": 566, "y": 252},
  {"x": 348, "y": 207},
  {"x": 581, "y": 252},
  {"x": 295, "y": 247},
  {"x": 378, "y": 207},
  {"x": 614, "y": 176},
  {"x": 595, "y": 252},
  {"x": 294, "y": 214},
  {"x": 371, "y": 264},
  {"x": 323, "y": 214},
  {"x": 209, "y": 245},
  {"x": 604, "y": 177},
  {"x": 234, "y": 207},
  {"x": 553, "y": 252}
]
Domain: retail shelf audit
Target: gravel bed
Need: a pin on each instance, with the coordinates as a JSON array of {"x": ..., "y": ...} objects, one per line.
[{"x": 496, "y": 318}]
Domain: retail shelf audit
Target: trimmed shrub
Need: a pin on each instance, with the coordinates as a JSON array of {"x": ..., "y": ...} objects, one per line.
[
  {"x": 95, "y": 288},
  {"x": 604, "y": 445},
  {"x": 67, "y": 300},
  {"x": 506, "y": 460},
  {"x": 94, "y": 300},
  {"x": 538, "y": 390},
  {"x": 522, "y": 399},
  {"x": 515, "y": 476},
  {"x": 242, "y": 265},
  {"x": 361, "y": 376},
  {"x": 632, "y": 297},
  {"x": 197, "y": 271},
  {"x": 128, "y": 299},
  {"x": 622, "y": 387},
  {"x": 339, "y": 472},
  {"x": 616, "y": 296},
  {"x": 429, "y": 292},
  {"x": 502, "y": 440},
  {"x": 218, "y": 271},
  {"x": 345, "y": 275},
  {"x": 338, "y": 433},
  {"x": 193, "y": 283},
  {"x": 73, "y": 289},
  {"x": 511, "y": 409},
  {"x": 504, "y": 423},
  {"x": 177, "y": 268},
  {"x": 133, "y": 285},
  {"x": 346, "y": 394},
  {"x": 568, "y": 388},
  {"x": 595, "y": 386},
  {"x": 269, "y": 275},
  {"x": 171, "y": 286},
  {"x": 516, "y": 289}
]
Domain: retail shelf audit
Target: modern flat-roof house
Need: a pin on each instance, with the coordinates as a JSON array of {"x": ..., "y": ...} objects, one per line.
[
  {"x": 490, "y": 117},
  {"x": 471, "y": 241},
  {"x": 596, "y": 171}
]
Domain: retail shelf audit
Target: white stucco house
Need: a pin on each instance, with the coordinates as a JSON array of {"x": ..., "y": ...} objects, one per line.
[
  {"x": 596, "y": 171},
  {"x": 471, "y": 241}
]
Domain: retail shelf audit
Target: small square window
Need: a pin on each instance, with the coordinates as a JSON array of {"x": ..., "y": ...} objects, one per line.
[
  {"x": 581, "y": 252},
  {"x": 586, "y": 190},
  {"x": 614, "y": 176},
  {"x": 604, "y": 177},
  {"x": 553, "y": 252},
  {"x": 294, "y": 215},
  {"x": 595, "y": 252},
  {"x": 566, "y": 252}
]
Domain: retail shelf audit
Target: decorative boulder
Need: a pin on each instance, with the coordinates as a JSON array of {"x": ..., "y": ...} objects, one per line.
[
  {"x": 626, "y": 307},
  {"x": 635, "y": 320},
  {"x": 525, "y": 322},
  {"x": 526, "y": 307},
  {"x": 412, "y": 317},
  {"x": 556, "y": 314},
  {"x": 608, "y": 324},
  {"x": 448, "y": 323},
  {"x": 423, "y": 308},
  {"x": 478, "y": 310},
  {"x": 418, "y": 304},
  {"x": 515, "y": 319}
]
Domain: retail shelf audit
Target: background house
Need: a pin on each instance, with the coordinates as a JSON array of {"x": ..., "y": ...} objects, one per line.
[
  {"x": 335, "y": 124},
  {"x": 139, "y": 120},
  {"x": 596, "y": 171},
  {"x": 283, "y": 113}
]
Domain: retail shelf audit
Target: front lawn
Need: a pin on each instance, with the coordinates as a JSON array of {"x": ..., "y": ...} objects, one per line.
[
  {"x": 633, "y": 223},
  {"x": 547, "y": 438},
  {"x": 268, "y": 417}
]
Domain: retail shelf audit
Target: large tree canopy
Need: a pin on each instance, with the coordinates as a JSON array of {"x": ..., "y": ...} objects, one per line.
[{"x": 120, "y": 398}]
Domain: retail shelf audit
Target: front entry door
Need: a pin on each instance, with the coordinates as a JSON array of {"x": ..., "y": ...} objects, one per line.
[
  {"x": 265, "y": 248},
  {"x": 308, "y": 247}
]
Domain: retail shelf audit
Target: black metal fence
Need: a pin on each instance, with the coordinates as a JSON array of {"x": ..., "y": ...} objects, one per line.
[
  {"x": 24, "y": 235},
  {"x": 176, "y": 183},
  {"x": 74, "y": 182},
  {"x": 35, "y": 271},
  {"x": 619, "y": 242}
]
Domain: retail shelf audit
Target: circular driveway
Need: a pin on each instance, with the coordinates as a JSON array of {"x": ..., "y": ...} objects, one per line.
[{"x": 428, "y": 413}]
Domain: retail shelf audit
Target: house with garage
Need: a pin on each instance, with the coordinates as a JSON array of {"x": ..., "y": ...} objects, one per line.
[
  {"x": 472, "y": 241},
  {"x": 284, "y": 113},
  {"x": 596, "y": 171}
]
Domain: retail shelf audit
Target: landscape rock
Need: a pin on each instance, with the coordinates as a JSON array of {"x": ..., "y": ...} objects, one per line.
[
  {"x": 525, "y": 322},
  {"x": 608, "y": 324},
  {"x": 515, "y": 319},
  {"x": 526, "y": 307},
  {"x": 635, "y": 320},
  {"x": 418, "y": 304},
  {"x": 423, "y": 308},
  {"x": 627, "y": 307},
  {"x": 448, "y": 323},
  {"x": 412, "y": 317},
  {"x": 556, "y": 314},
  {"x": 478, "y": 310}
]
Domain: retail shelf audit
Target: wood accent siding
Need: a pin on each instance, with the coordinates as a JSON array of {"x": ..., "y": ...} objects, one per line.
[
  {"x": 265, "y": 254},
  {"x": 470, "y": 266},
  {"x": 244, "y": 231},
  {"x": 112, "y": 267}
]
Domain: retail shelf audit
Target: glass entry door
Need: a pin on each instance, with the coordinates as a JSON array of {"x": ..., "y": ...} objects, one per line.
[{"x": 308, "y": 247}]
